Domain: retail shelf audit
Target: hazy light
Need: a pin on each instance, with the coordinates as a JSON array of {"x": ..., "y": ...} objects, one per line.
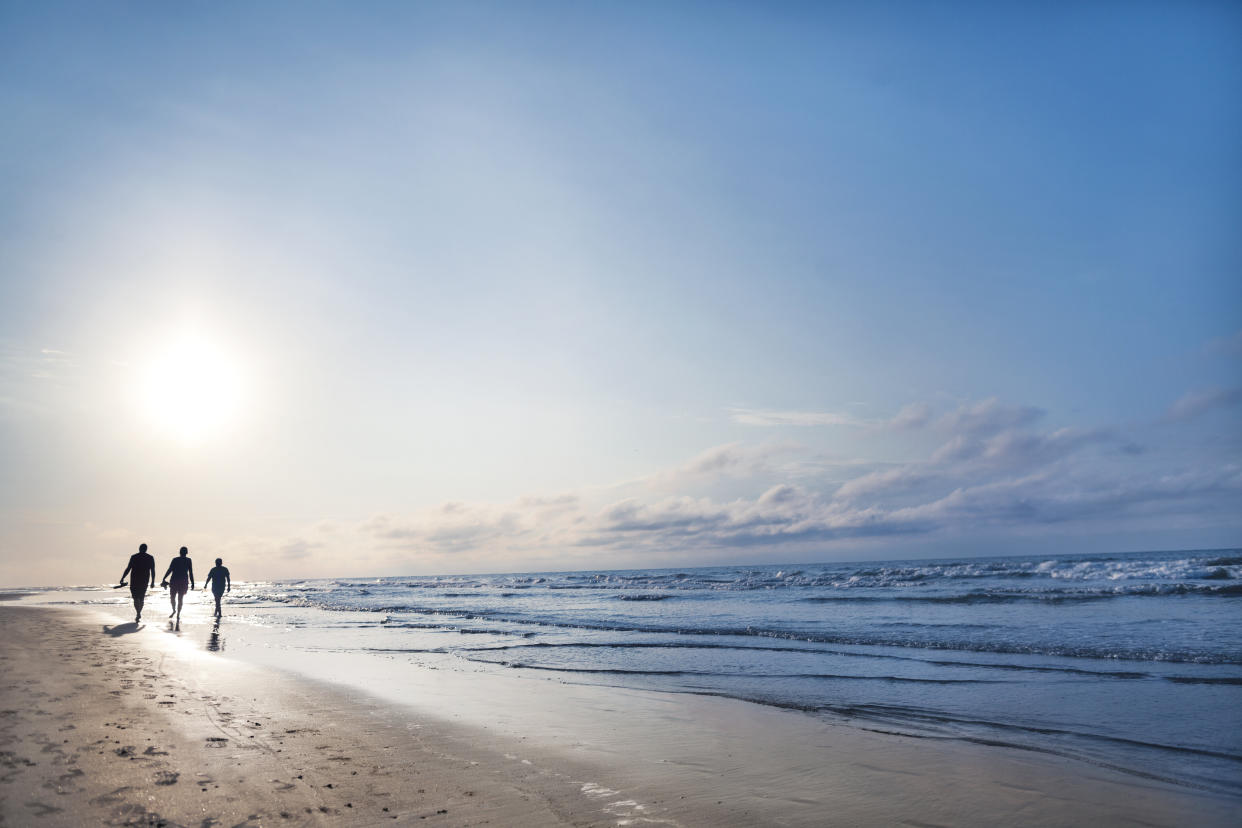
[{"x": 191, "y": 390}]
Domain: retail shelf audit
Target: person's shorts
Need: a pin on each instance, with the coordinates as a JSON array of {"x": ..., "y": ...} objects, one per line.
[
  {"x": 136, "y": 588},
  {"x": 179, "y": 586},
  {"x": 217, "y": 592}
]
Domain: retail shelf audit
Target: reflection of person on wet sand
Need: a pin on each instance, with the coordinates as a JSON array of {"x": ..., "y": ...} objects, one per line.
[
  {"x": 219, "y": 580},
  {"x": 141, "y": 569},
  {"x": 182, "y": 571},
  {"x": 214, "y": 643}
]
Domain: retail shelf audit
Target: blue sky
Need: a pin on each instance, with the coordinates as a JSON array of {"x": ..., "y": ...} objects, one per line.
[{"x": 499, "y": 286}]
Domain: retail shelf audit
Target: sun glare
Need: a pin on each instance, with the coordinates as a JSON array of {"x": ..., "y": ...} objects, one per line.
[{"x": 191, "y": 391}]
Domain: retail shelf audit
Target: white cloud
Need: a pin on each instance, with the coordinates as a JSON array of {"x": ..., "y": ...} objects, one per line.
[
  {"x": 993, "y": 471},
  {"x": 768, "y": 417},
  {"x": 1193, "y": 404},
  {"x": 1047, "y": 497},
  {"x": 731, "y": 460},
  {"x": 456, "y": 527},
  {"x": 1013, "y": 448},
  {"x": 959, "y": 448},
  {"x": 987, "y": 417},
  {"x": 968, "y": 457},
  {"x": 887, "y": 481},
  {"x": 914, "y": 415},
  {"x": 1017, "y": 480}
]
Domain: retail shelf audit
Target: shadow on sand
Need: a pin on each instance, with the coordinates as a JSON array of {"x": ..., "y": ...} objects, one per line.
[{"x": 122, "y": 629}]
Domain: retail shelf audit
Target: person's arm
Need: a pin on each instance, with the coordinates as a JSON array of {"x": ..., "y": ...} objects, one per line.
[
  {"x": 191, "y": 568},
  {"x": 126, "y": 572},
  {"x": 152, "y": 573},
  {"x": 228, "y": 581}
]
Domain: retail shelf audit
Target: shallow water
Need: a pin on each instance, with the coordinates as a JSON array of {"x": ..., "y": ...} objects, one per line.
[{"x": 1129, "y": 661}]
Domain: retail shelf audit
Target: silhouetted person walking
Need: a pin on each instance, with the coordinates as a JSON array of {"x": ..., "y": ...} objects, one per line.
[
  {"x": 182, "y": 571},
  {"x": 141, "y": 569},
  {"x": 219, "y": 580}
]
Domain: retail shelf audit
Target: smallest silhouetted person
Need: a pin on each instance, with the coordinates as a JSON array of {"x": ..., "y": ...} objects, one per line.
[
  {"x": 182, "y": 571},
  {"x": 141, "y": 569},
  {"x": 220, "y": 583}
]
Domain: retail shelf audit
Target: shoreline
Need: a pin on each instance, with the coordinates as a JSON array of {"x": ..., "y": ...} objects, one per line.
[
  {"x": 539, "y": 754},
  {"x": 130, "y": 729}
]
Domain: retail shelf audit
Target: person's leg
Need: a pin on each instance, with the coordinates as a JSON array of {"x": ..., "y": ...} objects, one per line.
[
  {"x": 219, "y": 595},
  {"x": 172, "y": 600},
  {"x": 139, "y": 596}
]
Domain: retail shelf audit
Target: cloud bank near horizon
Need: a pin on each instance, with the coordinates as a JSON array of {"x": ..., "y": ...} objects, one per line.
[{"x": 988, "y": 466}]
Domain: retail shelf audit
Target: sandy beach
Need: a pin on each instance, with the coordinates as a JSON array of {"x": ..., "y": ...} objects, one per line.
[
  {"x": 531, "y": 413},
  {"x": 119, "y": 724}
]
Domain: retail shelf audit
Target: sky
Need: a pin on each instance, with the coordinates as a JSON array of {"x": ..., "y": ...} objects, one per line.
[{"x": 350, "y": 289}]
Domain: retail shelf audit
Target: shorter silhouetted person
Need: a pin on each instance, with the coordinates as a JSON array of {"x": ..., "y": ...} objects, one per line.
[
  {"x": 182, "y": 571},
  {"x": 141, "y": 569},
  {"x": 218, "y": 579}
]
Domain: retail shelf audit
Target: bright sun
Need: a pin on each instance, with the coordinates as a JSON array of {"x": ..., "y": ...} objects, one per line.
[{"x": 190, "y": 391}]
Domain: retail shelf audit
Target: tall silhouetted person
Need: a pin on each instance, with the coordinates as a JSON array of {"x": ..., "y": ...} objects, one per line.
[
  {"x": 219, "y": 580},
  {"x": 141, "y": 569},
  {"x": 182, "y": 571}
]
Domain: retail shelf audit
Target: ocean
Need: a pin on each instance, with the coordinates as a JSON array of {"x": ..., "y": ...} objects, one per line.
[{"x": 1131, "y": 662}]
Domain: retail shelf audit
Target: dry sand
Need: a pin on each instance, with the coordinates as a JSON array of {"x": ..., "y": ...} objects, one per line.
[{"x": 105, "y": 724}]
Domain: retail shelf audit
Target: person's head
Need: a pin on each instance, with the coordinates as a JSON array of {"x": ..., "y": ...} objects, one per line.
[
  {"x": 142, "y": 547},
  {"x": 219, "y": 561},
  {"x": 184, "y": 551}
]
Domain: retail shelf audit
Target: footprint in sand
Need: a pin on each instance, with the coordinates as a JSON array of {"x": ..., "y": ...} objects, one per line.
[
  {"x": 133, "y": 814},
  {"x": 111, "y": 798},
  {"x": 66, "y": 783},
  {"x": 42, "y": 809},
  {"x": 166, "y": 778}
]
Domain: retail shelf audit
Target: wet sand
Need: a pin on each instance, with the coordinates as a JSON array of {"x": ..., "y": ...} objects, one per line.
[{"x": 119, "y": 724}]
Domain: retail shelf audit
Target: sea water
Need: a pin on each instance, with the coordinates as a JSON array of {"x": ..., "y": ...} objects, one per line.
[{"x": 1132, "y": 662}]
